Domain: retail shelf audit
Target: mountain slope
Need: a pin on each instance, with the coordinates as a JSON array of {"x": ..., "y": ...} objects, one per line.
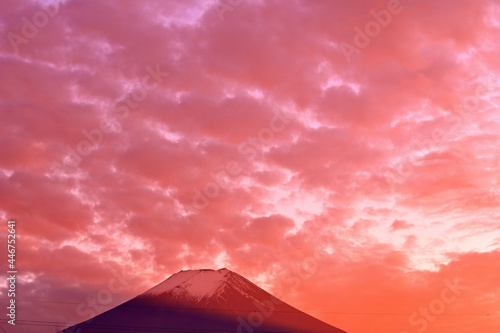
[{"x": 204, "y": 301}]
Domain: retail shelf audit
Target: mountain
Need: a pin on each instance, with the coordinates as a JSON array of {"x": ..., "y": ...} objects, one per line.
[{"x": 204, "y": 301}]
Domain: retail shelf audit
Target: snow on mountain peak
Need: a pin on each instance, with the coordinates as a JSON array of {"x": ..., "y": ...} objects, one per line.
[{"x": 195, "y": 283}]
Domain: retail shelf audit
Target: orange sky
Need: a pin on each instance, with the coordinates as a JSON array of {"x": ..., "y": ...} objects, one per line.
[{"x": 341, "y": 154}]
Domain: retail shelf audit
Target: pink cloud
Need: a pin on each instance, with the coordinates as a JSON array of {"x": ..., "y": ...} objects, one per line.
[
  {"x": 398, "y": 139},
  {"x": 400, "y": 225}
]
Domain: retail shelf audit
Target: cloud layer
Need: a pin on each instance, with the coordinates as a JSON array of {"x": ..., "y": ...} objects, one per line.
[{"x": 342, "y": 155}]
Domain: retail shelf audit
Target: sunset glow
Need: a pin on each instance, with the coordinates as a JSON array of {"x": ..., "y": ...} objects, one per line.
[{"x": 342, "y": 155}]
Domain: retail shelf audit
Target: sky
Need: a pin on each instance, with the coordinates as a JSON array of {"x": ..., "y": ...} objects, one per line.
[{"x": 342, "y": 155}]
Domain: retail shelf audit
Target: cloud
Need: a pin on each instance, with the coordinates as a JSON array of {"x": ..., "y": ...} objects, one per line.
[
  {"x": 367, "y": 183},
  {"x": 400, "y": 225}
]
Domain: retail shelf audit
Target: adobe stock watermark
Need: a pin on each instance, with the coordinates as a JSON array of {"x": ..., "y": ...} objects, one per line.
[
  {"x": 426, "y": 315},
  {"x": 373, "y": 28},
  {"x": 103, "y": 298},
  {"x": 462, "y": 111},
  {"x": 221, "y": 7},
  {"x": 31, "y": 26},
  {"x": 248, "y": 150},
  {"x": 95, "y": 136},
  {"x": 263, "y": 310}
]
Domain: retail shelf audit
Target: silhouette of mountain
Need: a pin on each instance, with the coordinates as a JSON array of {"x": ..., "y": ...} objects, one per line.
[{"x": 204, "y": 301}]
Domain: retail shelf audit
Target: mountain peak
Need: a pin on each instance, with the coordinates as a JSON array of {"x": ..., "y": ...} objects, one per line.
[
  {"x": 200, "y": 283},
  {"x": 204, "y": 300}
]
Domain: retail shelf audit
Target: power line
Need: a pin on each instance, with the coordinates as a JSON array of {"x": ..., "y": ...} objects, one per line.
[
  {"x": 247, "y": 310},
  {"x": 126, "y": 328},
  {"x": 111, "y": 327}
]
